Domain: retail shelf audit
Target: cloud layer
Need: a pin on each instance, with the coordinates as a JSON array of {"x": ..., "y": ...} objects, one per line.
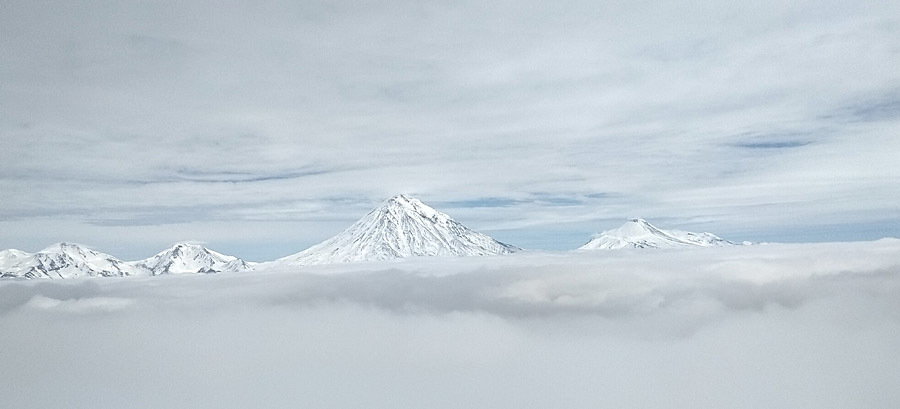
[{"x": 779, "y": 326}]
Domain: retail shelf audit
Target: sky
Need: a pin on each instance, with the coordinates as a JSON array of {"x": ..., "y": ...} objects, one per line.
[
  {"x": 263, "y": 128},
  {"x": 779, "y": 326}
]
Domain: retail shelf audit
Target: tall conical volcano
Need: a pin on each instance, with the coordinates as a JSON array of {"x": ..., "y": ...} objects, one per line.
[
  {"x": 401, "y": 227},
  {"x": 638, "y": 233}
]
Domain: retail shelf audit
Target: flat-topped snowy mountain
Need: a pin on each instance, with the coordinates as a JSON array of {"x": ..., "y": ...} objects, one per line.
[
  {"x": 638, "y": 233},
  {"x": 187, "y": 258},
  {"x": 401, "y": 227},
  {"x": 63, "y": 260}
]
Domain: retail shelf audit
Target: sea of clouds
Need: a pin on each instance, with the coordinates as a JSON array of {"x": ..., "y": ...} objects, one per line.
[{"x": 767, "y": 326}]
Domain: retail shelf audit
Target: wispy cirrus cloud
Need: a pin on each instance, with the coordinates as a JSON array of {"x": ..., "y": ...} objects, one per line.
[{"x": 708, "y": 112}]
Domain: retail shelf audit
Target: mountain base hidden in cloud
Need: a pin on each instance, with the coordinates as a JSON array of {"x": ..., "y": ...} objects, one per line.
[
  {"x": 401, "y": 227},
  {"x": 638, "y": 233}
]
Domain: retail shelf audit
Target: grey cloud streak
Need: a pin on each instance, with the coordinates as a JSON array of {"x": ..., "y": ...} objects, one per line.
[{"x": 535, "y": 284}]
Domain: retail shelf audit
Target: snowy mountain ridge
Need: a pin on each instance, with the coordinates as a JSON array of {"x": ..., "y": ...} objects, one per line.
[
  {"x": 63, "y": 260},
  {"x": 401, "y": 227},
  {"x": 638, "y": 233},
  {"x": 69, "y": 260}
]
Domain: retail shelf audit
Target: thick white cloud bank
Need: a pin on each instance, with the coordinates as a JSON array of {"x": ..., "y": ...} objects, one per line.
[{"x": 770, "y": 326}]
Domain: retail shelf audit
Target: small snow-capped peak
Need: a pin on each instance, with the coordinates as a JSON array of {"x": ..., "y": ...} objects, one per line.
[
  {"x": 639, "y": 233},
  {"x": 405, "y": 203},
  {"x": 634, "y": 227},
  {"x": 12, "y": 254},
  {"x": 10, "y": 259},
  {"x": 188, "y": 257},
  {"x": 400, "y": 227},
  {"x": 187, "y": 249},
  {"x": 402, "y": 199},
  {"x": 64, "y": 247}
]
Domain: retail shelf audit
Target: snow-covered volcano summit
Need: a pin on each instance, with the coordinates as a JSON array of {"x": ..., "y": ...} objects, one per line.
[
  {"x": 638, "y": 233},
  {"x": 401, "y": 227},
  {"x": 63, "y": 260},
  {"x": 184, "y": 258}
]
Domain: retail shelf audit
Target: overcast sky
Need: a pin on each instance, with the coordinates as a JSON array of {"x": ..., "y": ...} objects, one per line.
[{"x": 262, "y": 128}]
